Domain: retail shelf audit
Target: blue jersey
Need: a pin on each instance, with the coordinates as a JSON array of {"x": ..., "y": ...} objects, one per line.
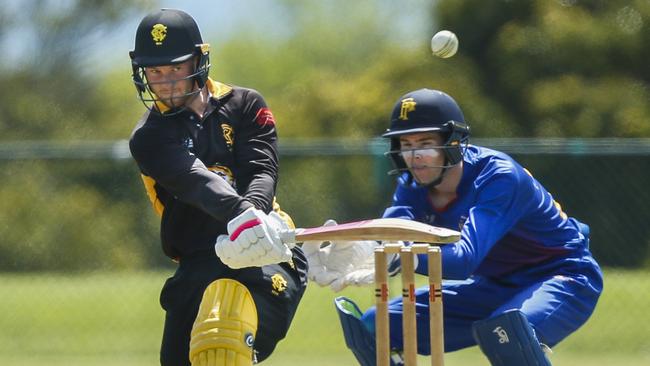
[{"x": 510, "y": 224}]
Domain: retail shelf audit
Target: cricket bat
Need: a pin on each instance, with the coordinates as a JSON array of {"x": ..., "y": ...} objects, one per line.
[{"x": 374, "y": 229}]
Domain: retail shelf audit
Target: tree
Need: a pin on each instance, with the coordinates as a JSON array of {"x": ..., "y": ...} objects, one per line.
[
  {"x": 50, "y": 89},
  {"x": 560, "y": 68}
]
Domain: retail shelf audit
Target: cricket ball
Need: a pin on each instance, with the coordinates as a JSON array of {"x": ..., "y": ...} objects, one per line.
[{"x": 444, "y": 44}]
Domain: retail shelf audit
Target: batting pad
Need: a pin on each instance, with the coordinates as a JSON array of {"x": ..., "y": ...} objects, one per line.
[
  {"x": 223, "y": 333},
  {"x": 508, "y": 340}
]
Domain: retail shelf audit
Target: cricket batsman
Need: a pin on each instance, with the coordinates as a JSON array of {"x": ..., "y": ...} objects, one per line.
[
  {"x": 207, "y": 153},
  {"x": 521, "y": 278}
]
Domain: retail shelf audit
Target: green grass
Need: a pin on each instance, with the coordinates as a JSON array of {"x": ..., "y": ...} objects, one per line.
[{"x": 102, "y": 319}]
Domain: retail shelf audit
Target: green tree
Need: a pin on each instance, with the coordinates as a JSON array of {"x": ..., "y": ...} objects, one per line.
[
  {"x": 64, "y": 215},
  {"x": 51, "y": 91},
  {"x": 559, "y": 68}
]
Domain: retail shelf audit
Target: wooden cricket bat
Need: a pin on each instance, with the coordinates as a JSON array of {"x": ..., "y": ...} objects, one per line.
[{"x": 374, "y": 229}]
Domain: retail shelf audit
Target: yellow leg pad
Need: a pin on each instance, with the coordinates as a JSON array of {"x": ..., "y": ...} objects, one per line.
[{"x": 224, "y": 330}]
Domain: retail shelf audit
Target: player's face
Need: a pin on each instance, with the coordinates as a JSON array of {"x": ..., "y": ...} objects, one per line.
[
  {"x": 171, "y": 83},
  {"x": 423, "y": 155}
]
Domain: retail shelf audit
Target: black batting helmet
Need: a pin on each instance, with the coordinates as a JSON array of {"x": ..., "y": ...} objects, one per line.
[{"x": 168, "y": 37}]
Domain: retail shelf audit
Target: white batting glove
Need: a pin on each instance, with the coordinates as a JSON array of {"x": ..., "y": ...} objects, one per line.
[
  {"x": 330, "y": 262},
  {"x": 253, "y": 241}
]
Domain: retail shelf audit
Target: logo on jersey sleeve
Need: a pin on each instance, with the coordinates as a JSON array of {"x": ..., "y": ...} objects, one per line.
[
  {"x": 408, "y": 105},
  {"x": 264, "y": 117}
]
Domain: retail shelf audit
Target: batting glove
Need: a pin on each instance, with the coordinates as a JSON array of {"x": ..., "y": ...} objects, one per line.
[{"x": 253, "y": 241}]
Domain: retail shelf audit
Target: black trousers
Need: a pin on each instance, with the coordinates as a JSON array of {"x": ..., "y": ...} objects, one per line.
[{"x": 182, "y": 293}]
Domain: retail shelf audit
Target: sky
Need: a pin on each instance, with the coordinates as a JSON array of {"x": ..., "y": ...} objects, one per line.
[{"x": 218, "y": 20}]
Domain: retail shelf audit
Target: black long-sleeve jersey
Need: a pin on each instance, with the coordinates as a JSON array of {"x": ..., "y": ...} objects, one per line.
[{"x": 200, "y": 173}]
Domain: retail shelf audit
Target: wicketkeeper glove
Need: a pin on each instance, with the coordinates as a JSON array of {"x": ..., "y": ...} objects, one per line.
[{"x": 342, "y": 263}]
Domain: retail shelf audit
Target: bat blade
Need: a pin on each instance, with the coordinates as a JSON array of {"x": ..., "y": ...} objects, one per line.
[{"x": 375, "y": 229}]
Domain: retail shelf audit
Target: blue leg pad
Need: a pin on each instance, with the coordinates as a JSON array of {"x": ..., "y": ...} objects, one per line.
[
  {"x": 509, "y": 340},
  {"x": 357, "y": 336}
]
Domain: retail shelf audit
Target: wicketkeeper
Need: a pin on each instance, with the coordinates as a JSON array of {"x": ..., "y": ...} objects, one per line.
[
  {"x": 207, "y": 154},
  {"x": 520, "y": 280}
]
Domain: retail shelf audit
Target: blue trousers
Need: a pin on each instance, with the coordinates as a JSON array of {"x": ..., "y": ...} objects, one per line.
[{"x": 555, "y": 305}]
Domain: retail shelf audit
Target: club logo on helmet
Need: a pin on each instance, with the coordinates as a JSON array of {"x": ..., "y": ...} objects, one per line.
[
  {"x": 158, "y": 33},
  {"x": 408, "y": 105}
]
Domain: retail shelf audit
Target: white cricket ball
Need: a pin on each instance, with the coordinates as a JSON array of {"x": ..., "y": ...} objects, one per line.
[{"x": 444, "y": 44}]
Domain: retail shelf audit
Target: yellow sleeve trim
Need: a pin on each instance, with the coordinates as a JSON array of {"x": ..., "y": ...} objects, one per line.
[{"x": 149, "y": 184}]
